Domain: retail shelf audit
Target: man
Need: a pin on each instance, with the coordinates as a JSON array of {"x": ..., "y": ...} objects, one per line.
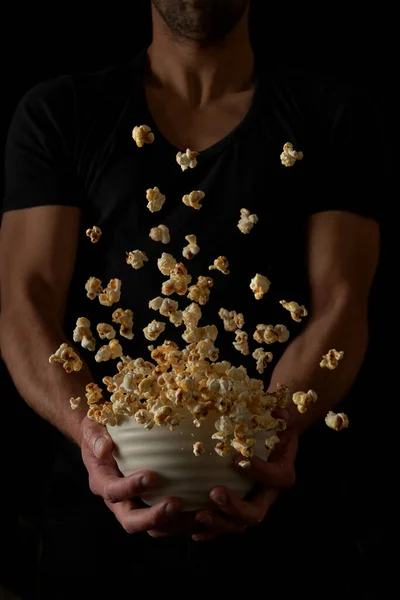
[{"x": 71, "y": 163}]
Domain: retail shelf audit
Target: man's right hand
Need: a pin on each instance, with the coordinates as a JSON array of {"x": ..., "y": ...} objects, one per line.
[{"x": 106, "y": 480}]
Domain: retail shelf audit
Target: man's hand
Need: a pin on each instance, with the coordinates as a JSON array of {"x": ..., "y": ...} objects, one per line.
[{"x": 234, "y": 514}]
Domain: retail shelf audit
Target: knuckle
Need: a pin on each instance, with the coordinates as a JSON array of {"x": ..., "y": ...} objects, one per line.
[
  {"x": 128, "y": 527},
  {"x": 93, "y": 486}
]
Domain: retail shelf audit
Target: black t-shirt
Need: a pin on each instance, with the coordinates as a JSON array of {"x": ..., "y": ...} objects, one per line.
[{"x": 70, "y": 143}]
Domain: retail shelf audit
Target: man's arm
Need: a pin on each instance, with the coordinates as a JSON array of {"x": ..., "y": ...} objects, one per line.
[{"x": 343, "y": 250}]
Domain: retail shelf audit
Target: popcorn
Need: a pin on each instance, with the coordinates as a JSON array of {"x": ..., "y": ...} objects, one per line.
[
  {"x": 166, "y": 263},
  {"x": 296, "y": 311},
  {"x": 244, "y": 464},
  {"x": 271, "y": 442},
  {"x": 160, "y": 234},
  {"x": 336, "y": 421},
  {"x": 303, "y": 400},
  {"x": 222, "y": 449},
  {"x": 259, "y": 285},
  {"x": 125, "y": 319},
  {"x": 221, "y": 263},
  {"x": 192, "y": 248},
  {"x": 241, "y": 342},
  {"x": 200, "y": 292},
  {"x": 244, "y": 447},
  {"x": 262, "y": 358},
  {"x": 290, "y": 156},
  {"x": 106, "y": 331},
  {"x": 246, "y": 221},
  {"x": 198, "y": 448},
  {"x": 192, "y": 315},
  {"x": 178, "y": 281},
  {"x": 111, "y": 294},
  {"x": 75, "y": 402},
  {"x": 168, "y": 308},
  {"x": 193, "y": 199},
  {"x": 93, "y": 393},
  {"x": 270, "y": 334},
  {"x": 187, "y": 160},
  {"x": 153, "y": 330},
  {"x": 93, "y": 287},
  {"x": 231, "y": 319},
  {"x": 331, "y": 359},
  {"x": 94, "y": 234},
  {"x": 68, "y": 358},
  {"x": 113, "y": 350},
  {"x": 136, "y": 258},
  {"x": 143, "y": 417},
  {"x": 155, "y": 199},
  {"x": 83, "y": 334},
  {"x": 142, "y": 135}
]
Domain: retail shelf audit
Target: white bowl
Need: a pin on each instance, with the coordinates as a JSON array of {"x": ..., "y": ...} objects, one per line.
[{"x": 170, "y": 455}]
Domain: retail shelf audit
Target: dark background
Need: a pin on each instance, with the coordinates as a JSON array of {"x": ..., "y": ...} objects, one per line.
[{"x": 42, "y": 43}]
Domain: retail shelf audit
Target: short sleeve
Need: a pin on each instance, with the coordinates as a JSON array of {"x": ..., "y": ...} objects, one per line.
[{"x": 40, "y": 146}]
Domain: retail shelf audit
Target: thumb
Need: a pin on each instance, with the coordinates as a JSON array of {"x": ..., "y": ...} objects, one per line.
[{"x": 97, "y": 439}]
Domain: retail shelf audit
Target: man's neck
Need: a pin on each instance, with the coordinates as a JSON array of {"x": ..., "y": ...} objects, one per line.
[{"x": 199, "y": 74}]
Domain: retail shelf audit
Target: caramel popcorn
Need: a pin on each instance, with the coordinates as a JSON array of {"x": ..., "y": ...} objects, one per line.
[
  {"x": 67, "y": 357},
  {"x": 187, "y": 160},
  {"x": 331, "y": 359},
  {"x": 192, "y": 248},
  {"x": 136, "y": 258},
  {"x": 94, "y": 234},
  {"x": 93, "y": 287},
  {"x": 200, "y": 292},
  {"x": 125, "y": 319},
  {"x": 198, "y": 448},
  {"x": 259, "y": 285},
  {"x": 93, "y": 393},
  {"x": 166, "y": 263},
  {"x": 112, "y": 351},
  {"x": 296, "y": 311},
  {"x": 75, "y": 402},
  {"x": 246, "y": 221},
  {"x": 155, "y": 199},
  {"x": 270, "y": 334},
  {"x": 231, "y": 319},
  {"x": 111, "y": 294},
  {"x": 290, "y": 156},
  {"x": 106, "y": 331},
  {"x": 142, "y": 135},
  {"x": 221, "y": 263},
  {"x": 160, "y": 234},
  {"x": 336, "y": 421},
  {"x": 153, "y": 330},
  {"x": 193, "y": 199},
  {"x": 303, "y": 400},
  {"x": 178, "y": 281},
  {"x": 241, "y": 342},
  {"x": 262, "y": 358}
]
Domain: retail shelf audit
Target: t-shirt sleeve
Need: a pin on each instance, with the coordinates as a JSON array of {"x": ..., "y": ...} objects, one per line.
[{"x": 40, "y": 149}]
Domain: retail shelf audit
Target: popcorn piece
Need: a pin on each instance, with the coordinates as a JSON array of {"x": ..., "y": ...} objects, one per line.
[
  {"x": 290, "y": 156},
  {"x": 144, "y": 417},
  {"x": 83, "y": 334},
  {"x": 198, "y": 448},
  {"x": 336, "y": 421},
  {"x": 75, "y": 402},
  {"x": 262, "y": 358},
  {"x": 192, "y": 315},
  {"x": 246, "y": 221},
  {"x": 112, "y": 293},
  {"x": 93, "y": 393},
  {"x": 160, "y": 234},
  {"x": 244, "y": 447},
  {"x": 106, "y": 331},
  {"x": 94, "y": 234},
  {"x": 270, "y": 334},
  {"x": 68, "y": 358},
  {"x": 93, "y": 287},
  {"x": 244, "y": 464},
  {"x": 153, "y": 330},
  {"x": 142, "y": 135},
  {"x": 193, "y": 199},
  {"x": 221, "y": 263},
  {"x": 113, "y": 350},
  {"x": 125, "y": 319},
  {"x": 271, "y": 442},
  {"x": 231, "y": 319},
  {"x": 200, "y": 292},
  {"x": 241, "y": 342},
  {"x": 155, "y": 199},
  {"x": 178, "y": 281},
  {"x": 296, "y": 311},
  {"x": 303, "y": 400},
  {"x": 259, "y": 285},
  {"x": 331, "y": 359},
  {"x": 187, "y": 160},
  {"x": 192, "y": 248},
  {"x": 166, "y": 263},
  {"x": 222, "y": 449},
  {"x": 136, "y": 258},
  {"x": 168, "y": 308}
]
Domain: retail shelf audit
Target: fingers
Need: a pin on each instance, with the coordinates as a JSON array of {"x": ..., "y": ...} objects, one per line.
[
  {"x": 136, "y": 520},
  {"x": 96, "y": 438},
  {"x": 218, "y": 524},
  {"x": 241, "y": 511},
  {"x": 183, "y": 523}
]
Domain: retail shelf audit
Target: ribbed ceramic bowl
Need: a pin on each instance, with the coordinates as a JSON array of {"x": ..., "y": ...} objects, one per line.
[{"x": 170, "y": 454}]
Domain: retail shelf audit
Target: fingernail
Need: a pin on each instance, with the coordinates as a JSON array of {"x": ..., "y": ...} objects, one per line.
[
  {"x": 98, "y": 445},
  {"x": 206, "y": 520},
  {"x": 220, "y": 499},
  {"x": 171, "y": 510},
  {"x": 145, "y": 482}
]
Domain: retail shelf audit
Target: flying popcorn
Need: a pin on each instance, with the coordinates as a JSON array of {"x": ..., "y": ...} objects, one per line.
[
  {"x": 331, "y": 359},
  {"x": 259, "y": 285},
  {"x": 106, "y": 331},
  {"x": 290, "y": 156},
  {"x": 187, "y": 160},
  {"x": 83, "y": 334},
  {"x": 93, "y": 287},
  {"x": 160, "y": 234},
  {"x": 303, "y": 400},
  {"x": 178, "y": 281},
  {"x": 262, "y": 358},
  {"x": 231, "y": 319},
  {"x": 153, "y": 330},
  {"x": 193, "y": 199},
  {"x": 200, "y": 292},
  {"x": 142, "y": 135},
  {"x": 198, "y": 448},
  {"x": 125, "y": 319},
  {"x": 166, "y": 263},
  {"x": 271, "y": 442},
  {"x": 337, "y": 421},
  {"x": 241, "y": 343},
  {"x": 94, "y": 234},
  {"x": 167, "y": 308},
  {"x": 112, "y": 351},
  {"x": 75, "y": 402},
  {"x": 192, "y": 248},
  {"x": 192, "y": 315},
  {"x": 244, "y": 464},
  {"x": 221, "y": 264},
  {"x": 245, "y": 447},
  {"x": 93, "y": 393},
  {"x": 296, "y": 311},
  {"x": 136, "y": 258},
  {"x": 269, "y": 334},
  {"x": 246, "y": 221},
  {"x": 68, "y": 358},
  {"x": 155, "y": 199},
  {"x": 112, "y": 293}
]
